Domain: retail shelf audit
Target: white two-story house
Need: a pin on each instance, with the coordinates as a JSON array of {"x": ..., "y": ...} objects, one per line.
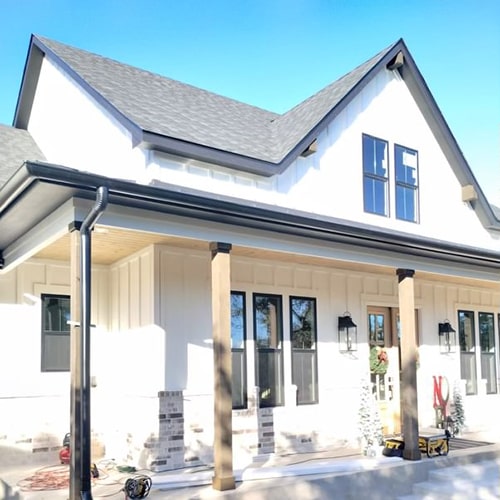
[{"x": 250, "y": 271}]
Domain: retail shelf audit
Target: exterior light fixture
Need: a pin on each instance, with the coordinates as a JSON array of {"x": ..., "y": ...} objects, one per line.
[
  {"x": 447, "y": 337},
  {"x": 348, "y": 333}
]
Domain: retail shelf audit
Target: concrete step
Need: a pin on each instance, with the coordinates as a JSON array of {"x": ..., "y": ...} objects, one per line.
[
  {"x": 475, "y": 481},
  {"x": 473, "y": 471}
]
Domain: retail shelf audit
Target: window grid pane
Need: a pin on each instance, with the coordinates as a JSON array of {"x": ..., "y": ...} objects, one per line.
[{"x": 304, "y": 375}]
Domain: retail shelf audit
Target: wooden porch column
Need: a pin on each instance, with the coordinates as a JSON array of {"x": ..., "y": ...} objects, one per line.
[
  {"x": 75, "y": 366},
  {"x": 223, "y": 402},
  {"x": 408, "y": 363}
]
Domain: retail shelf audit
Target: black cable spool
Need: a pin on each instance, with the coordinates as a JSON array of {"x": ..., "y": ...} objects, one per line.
[{"x": 137, "y": 487}]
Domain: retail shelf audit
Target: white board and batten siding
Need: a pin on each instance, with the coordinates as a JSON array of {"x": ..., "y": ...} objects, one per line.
[
  {"x": 26, "y": 390},
  {"x": 73, "y": 130},
  {"x": 330, "y": 182}
]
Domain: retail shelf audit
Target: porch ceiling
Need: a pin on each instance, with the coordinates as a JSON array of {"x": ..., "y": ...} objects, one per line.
[{"x": 109, "y": 245}]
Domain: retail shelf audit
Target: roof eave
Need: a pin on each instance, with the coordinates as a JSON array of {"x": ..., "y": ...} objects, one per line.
[
  {"x": 150, "y": 140},
  {"x": 307, "y": 139},
  {"x": 29, "y": 82},
  {"x": 429, "y": 108},
  {"x": 226, "y": 210},
  {"x": 36, "y": 53}
]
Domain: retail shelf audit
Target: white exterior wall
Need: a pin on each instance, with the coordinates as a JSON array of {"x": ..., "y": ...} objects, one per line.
[
  {"x": 34, "y": 405},
  {"x": 73, "y": 131},
  {"x": 184, "y": 278},
  {"x": 330, "y": 182},
  {"x": 147, "y": 351}
]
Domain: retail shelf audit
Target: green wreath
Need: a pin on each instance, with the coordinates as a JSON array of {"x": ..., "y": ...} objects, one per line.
[{"x": 378, "y": 360}]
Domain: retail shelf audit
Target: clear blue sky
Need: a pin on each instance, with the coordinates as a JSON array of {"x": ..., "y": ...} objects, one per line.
[{"x": 275, "y": 53}]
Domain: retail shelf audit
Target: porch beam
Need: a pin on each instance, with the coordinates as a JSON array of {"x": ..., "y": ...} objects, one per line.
[
  {"x": 406, "y": 294},
  {"x": 223, "y": 478}
]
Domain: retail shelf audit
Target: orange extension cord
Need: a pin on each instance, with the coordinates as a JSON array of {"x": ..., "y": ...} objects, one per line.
[{"x": 56, "y": 477}]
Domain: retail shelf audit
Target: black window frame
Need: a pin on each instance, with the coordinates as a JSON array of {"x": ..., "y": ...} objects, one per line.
[
  {"x": 370, "y": 176},
  {"x": 300, "y": 354},
  {"x": 468, "y": 353},
  {"x": 406, "y": 186},
  {"x": 46, "y": 365},
  {"x": 238, "y": 357},
  {"x": 487, "y": 355},
  {"x": 269, "y": 356}
]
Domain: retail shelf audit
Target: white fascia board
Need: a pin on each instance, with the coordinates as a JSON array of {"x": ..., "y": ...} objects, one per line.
[
  {"x": 260, "y": 239},
  {"x": 50, "y": 229}
]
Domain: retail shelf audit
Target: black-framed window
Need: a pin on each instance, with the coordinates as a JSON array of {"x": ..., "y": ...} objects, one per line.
[
  {"x": 406, "y": 163},
  {"x": 303, "y": 336},
  {"x": 238, "y": 351},
  {"x": 467, "y": 341},
  {"x": 375, "y": 175},
  {"x": 55, "y": 333},
  {"x": 268, "y": 335},
  {"x": 488, "y": 351}
]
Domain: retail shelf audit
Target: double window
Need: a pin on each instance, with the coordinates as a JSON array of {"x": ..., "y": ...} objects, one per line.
[
  {"x": 267, "y": 310},
  {"x": 376, "y": 179},
  {"x": 470, "y": 356},
  {"x": 55, "y": 333}
]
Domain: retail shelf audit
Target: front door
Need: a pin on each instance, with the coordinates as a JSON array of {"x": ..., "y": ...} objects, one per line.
[{"x": 384, "y": 366}]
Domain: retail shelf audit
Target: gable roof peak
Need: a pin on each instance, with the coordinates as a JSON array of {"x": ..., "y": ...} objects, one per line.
[{"x": 165, "y": 114}]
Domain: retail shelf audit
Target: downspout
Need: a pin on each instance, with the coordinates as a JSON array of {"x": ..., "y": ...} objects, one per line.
[{"x": 85, "y": 297}]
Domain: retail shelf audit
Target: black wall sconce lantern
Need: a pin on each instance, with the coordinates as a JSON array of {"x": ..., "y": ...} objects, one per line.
[
  {"x": 348, "y": 333},
  {"x": 447, "y": 337}
]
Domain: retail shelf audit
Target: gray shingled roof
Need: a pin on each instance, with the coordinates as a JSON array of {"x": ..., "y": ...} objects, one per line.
[
  {"x": 182, "y": 112},
  {"x": 16, "y": 147}
]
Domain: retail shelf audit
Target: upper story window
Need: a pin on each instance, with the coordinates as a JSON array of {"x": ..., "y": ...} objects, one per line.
[
  {"x": 406, "y": 163},
  {"x": 375, "y": 175},
  {"x": 55, "y": 333},
  {"x": 376, "y": 186}
]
